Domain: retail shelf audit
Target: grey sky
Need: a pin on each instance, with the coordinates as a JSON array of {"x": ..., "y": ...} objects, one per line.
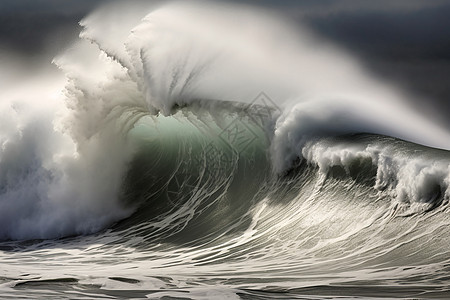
[{"x": 407, "y": 41}]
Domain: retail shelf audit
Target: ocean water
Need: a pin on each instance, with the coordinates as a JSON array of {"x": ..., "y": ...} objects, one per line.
[{"x": 216, "y": 152}]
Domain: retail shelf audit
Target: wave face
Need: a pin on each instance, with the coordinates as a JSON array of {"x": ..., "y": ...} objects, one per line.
[{"x": 145, "y": 171}]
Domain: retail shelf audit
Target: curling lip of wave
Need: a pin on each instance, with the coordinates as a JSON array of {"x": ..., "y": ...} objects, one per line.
[{"x": 176, "y": 57}]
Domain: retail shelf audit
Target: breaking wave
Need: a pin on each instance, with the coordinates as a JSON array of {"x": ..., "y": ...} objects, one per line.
[
  {"x": 64, "y": 161},
  {"x": 217, "y": 135}
]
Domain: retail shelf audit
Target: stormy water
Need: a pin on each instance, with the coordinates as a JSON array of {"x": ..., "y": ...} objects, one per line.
[{"x": 185, "y": 151}]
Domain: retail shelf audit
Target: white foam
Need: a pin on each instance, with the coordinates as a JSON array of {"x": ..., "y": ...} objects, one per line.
[
  {"x": 410, "y": 180},
  {"x": 62, "y": 155}
]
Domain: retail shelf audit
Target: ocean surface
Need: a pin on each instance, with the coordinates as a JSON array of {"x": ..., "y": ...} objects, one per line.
[{"x": 178, "y": 154}]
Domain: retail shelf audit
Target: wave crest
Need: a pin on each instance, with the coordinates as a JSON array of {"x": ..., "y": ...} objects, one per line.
[{"x": 419, "y": 181}]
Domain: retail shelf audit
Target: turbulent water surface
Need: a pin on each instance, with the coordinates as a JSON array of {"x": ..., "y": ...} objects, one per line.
[{"x": 196, "y": 156}]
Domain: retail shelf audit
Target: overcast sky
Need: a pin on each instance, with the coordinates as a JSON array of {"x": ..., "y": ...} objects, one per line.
[{"x": 406, "y": 42}]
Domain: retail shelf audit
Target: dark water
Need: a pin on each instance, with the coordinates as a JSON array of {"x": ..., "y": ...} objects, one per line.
[{"x": 224, "y": 226}]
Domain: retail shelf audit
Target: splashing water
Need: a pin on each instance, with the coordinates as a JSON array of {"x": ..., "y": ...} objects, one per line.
[{"x": 151, "y": 160}]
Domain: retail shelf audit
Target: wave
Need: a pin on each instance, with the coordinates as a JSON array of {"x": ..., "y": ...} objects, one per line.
[
  {"x": 163, "y": 118},
  {"x": 411, "y": 174}
]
